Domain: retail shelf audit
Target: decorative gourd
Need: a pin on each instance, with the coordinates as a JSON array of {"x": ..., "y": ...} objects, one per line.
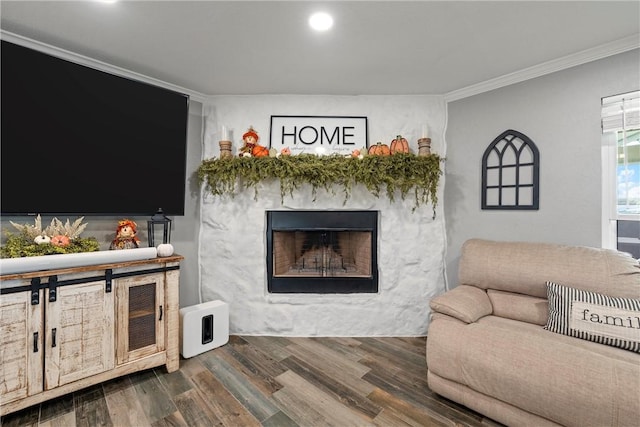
[
  {"x": 286, "y": 151},
  {"x": 259, "y": 151},
  {"x": 43, "y": 239},
  {"x": 399, "y": 145},
  {"x": 165, "y": 249},
  {"x": 379, "y": 149},
  {"x": 60, "y": 240}
]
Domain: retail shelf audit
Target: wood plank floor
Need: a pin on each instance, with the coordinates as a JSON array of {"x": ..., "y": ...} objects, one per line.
[{"x": 271, "y": 382}]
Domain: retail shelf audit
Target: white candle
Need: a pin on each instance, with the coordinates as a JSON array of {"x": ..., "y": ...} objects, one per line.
[
  {"x": 224, "y": 133},
  {"x": 425, "y": 131}
]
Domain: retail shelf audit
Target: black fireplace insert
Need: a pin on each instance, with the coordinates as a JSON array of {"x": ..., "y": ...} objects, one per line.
[{"x": 314, "y": 251}]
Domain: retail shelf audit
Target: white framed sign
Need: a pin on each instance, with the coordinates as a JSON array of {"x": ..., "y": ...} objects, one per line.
[{"x": 318, "y": 134}]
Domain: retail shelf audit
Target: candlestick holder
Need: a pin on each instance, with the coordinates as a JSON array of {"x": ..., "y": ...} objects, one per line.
[
  {"x": 424, "y": 146},
  {"x": 225, "y": 149}
]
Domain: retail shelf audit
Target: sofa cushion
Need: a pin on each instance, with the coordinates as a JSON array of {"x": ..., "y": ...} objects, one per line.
[
  {"x": 519, "y": 307},
  {"x": 594, "y": 317},
  {"x": 570, "y": 381},
  {"x": 466, "y": 303},
  {"x": 525, "y": 267}
]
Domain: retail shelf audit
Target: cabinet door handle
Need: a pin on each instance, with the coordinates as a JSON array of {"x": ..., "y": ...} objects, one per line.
[
  {"x": 35, "y": 342},
  {"x": 160, "y": 314},
  {"x": 53, "y": 337}
]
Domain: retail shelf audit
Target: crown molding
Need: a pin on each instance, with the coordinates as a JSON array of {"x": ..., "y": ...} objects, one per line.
[
  {"x": 99, "y": 65},
  {"x": 583, "y": 57}
]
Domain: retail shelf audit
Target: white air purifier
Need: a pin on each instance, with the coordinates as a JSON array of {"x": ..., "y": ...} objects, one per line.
[{"x": 203, "y": 327}]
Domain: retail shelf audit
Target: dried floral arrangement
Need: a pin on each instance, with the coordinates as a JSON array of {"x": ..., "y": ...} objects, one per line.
[
  {"x": 57, "y": 238},
  {"x": 400, "y": 173}
]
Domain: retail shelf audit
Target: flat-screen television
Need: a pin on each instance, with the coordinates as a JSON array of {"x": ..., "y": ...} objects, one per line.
[{"x": 81, "y": 141}]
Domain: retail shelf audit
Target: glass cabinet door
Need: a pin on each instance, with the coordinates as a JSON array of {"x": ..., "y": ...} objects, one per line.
[{"x": 141, "y": 316}]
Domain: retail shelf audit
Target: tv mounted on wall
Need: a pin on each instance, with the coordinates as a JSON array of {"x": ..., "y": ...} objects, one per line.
[{"x": 80, "y": 141}]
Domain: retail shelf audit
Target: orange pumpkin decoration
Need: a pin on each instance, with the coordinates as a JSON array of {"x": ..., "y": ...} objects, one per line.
[
  {"x": 259, "y": 151},
  {"x": 379, "y": 149},
  {"x": 60, "y": 240},
  {"x": 399, "y": 145}
]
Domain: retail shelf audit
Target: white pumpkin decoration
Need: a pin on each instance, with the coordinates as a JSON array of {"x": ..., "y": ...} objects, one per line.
[
  {"x": 42, "y": 239},
  {"x": 165, "y": 249}
]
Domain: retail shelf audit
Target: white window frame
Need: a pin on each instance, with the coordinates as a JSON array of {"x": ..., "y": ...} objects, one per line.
[
  {"x": 610, "y": 123},
  {"x": 609, "y": 224}
]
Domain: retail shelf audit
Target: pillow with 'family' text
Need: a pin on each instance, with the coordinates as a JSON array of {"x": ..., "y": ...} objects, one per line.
[{"x": 595, "y": 317}]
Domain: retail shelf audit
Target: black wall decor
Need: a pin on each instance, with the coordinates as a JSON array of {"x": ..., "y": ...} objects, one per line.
[{"x": 510, "y": 173}]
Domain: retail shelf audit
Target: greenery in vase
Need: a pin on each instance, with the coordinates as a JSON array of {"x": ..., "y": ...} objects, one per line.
[{"x": 397, "y": 174}]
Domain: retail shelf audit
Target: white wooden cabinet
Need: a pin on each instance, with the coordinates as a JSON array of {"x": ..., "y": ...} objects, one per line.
[
  {"x": 21, "y": 330},
  {"x": 79, "y": 333},
  {"x": 66, "y": 329}
]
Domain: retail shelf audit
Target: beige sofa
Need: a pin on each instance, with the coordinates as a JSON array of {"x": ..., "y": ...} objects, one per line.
[{"x": 488, "y": 347}]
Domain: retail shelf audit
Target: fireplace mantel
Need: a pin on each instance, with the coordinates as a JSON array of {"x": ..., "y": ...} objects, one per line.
[
  {"x": 233, "y": 268},
  {"x": 411, "y": 241}
]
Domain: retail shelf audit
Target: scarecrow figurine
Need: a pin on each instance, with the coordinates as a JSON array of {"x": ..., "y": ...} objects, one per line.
[
  {"x": 251, "y": 148},
  {"x": 126, "y": 235}
]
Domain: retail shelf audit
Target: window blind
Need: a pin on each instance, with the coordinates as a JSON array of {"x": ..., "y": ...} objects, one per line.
[{"x": 621, "y": 112}]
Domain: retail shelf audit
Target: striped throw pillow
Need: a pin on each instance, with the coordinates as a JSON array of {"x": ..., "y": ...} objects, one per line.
[{"x": 594, "y": 317}]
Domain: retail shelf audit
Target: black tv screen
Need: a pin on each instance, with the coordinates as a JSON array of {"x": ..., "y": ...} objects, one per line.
[{"x": 80, "y": 141}]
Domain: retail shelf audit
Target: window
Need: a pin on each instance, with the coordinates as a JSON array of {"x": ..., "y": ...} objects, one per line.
[
  {"x": 510, "y": 169},
  {"x": 621, "y": 172}
]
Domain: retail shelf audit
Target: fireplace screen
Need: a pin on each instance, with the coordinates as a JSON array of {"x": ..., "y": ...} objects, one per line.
[{"x": 322, "y": 251}]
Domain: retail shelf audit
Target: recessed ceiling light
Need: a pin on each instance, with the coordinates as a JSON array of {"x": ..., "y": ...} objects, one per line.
[{"x": 321, "y": 21}]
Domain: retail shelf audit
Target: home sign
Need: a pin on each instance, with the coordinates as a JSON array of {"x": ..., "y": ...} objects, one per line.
[{"x": 318, "y": 134}]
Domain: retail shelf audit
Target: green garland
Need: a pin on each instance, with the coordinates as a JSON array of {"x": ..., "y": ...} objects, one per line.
[{"x": 399, "y": 172}]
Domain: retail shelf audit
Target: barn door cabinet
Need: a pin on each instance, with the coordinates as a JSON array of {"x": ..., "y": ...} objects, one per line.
[{"x": 66, "y": 329}]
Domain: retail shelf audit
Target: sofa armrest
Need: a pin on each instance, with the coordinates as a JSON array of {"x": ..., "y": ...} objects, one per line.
[{"x": 465, "y": 303}]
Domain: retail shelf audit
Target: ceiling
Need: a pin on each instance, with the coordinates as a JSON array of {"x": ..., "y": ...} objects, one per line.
[{"x": 374, "y": 47}]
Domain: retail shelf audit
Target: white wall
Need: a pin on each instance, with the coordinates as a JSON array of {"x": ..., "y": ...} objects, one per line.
[
  {"x": 560, "y": 112},
  {"x": 186, "y": 229}
]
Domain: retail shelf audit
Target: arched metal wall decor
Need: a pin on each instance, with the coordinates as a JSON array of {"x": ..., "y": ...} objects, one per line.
[{"x": 510, "y": 173}]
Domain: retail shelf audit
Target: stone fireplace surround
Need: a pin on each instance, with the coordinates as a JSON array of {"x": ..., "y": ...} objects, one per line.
[{"x": 411, "y": 245}]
